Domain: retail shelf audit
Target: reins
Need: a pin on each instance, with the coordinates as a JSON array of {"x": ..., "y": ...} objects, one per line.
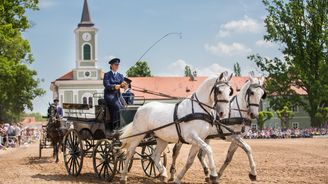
[{"x": 208, "y": 117}]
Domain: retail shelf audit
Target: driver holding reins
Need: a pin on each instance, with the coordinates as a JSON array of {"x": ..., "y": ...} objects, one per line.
[{"x": 113, "y": 82}]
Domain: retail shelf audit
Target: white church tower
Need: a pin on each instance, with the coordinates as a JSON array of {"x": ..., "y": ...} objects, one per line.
[
  {"x": 86, "y": 48},
  {"x": 82, "y": 83}
]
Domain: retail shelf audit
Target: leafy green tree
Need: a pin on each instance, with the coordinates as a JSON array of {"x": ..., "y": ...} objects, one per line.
[
  {"x": 322, "y": 116},
  {"x": 300, "y": 29},
  {"x": 263, "y": 117},
  {"x": 187, "y": 71},
  {"x": 140, "y": 69},
  {"x": 236, "y": 69},
  {"x": 19, "y": 84},
  {"x": 285, "y": 115}
]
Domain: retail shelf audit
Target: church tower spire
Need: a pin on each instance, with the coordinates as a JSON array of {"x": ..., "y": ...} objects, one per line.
[
  {"x": 86, "y": 48},
  {"x": 85, "y": 18}
]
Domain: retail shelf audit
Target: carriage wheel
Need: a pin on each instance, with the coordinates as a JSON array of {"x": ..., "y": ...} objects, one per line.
[
  {"x": 73, "y": 153},
  {"x": 87, "y": 145},
  {"x": 104, "y": 162},
  {"x": 120, "y": 164},
  {"x": 148, "y": 165}
]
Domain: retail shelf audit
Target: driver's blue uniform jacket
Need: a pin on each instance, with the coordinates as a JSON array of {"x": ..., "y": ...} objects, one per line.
[{"x": 112, "y": 96}]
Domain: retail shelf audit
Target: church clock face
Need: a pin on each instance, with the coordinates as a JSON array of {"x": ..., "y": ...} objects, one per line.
[{"x": 86, "y": 36}]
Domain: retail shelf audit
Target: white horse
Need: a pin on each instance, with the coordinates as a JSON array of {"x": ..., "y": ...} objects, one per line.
[
  {"x": 244, "y": 107},
  {"x": 214, "y": 93}
]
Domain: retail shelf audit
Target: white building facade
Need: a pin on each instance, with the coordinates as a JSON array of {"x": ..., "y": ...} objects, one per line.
[{"x": 85, "y": 80}]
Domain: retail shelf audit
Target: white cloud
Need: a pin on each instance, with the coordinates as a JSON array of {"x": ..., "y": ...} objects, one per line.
[
  {"x": 263, "y": 43},
  {"x": 245, "y": 25},
  {"x": 177, "y": 69},
  {"x": 212, "y": 70},
  {"x": 46, "y": 3},
  {"x": 180, "y": 64},
  {"x": 226, "y": 49}
]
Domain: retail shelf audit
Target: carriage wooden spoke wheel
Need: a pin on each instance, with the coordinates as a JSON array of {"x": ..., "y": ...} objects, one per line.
[
  {"x": 73, "y": 152},
  {"x": 104, "y": 161},
  {"x": 120, "y": 164},
  {"x": 148, "y": 165}
]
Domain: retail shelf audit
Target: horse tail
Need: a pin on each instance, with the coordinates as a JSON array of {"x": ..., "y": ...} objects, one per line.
[{"x": 126, "y": 132}]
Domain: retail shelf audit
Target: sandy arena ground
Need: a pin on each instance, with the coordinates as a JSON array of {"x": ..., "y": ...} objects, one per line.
[{"x": 278, "y": 161}]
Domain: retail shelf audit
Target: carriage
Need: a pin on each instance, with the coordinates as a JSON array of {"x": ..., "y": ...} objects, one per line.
[
  {"x": 55, "y": 128},
  {"x": 44, "y": 141},
  {"x": 88, "y": 139}
]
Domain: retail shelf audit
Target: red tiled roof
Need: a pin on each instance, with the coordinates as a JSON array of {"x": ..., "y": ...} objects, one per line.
[
  {"x": 174, "y": 86},
  {"x": 66, "y": 76}
]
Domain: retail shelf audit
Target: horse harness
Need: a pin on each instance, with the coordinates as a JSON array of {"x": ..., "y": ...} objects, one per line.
[
  {"x": 237, "y": 120},
  {"x": 208, "y": 117}
]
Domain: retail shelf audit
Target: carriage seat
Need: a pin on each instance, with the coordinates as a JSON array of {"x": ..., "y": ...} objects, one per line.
[{"x": 102, "y": 111}]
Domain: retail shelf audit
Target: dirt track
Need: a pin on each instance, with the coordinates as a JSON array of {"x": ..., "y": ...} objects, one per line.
[{"x": 278, "y": 161}]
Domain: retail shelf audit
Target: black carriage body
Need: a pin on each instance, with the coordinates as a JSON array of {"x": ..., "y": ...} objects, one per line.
[{"x": 88, "y": 138}]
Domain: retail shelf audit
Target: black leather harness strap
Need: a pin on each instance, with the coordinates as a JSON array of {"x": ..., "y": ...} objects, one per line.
[
  {"x": 190, "y": 117},
  {"x": 177, "y": 123}
]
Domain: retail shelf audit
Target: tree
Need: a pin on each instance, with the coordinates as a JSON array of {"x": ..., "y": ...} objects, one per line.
[
  {"x": 300, "y": 28},
  {"x": 263, "y": 117},
  {"x": 140, "y": 69},
  {"x": 285, "y": 115},
  {"x": 187, "y": 71},
  {"x": 19, "y": 84},
  {"x": 322, "y": 116},
  {"x": 236, "y": 69}
]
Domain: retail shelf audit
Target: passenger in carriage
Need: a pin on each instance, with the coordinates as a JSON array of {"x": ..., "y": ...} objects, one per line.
[
  {"x": 113, "y": 82},
  {"x": 128, "y": 93}
]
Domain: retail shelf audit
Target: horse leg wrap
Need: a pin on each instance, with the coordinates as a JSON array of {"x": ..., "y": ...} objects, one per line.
[
  {"x": 163, "y": 179},
  {"x": 214, "y": 179}
]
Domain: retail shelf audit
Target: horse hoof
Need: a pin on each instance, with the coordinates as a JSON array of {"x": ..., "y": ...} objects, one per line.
[
  {"x": 122, "y": 181},
  {"x": 171, "y": 179},
  {"x": 214, "y": 179},
  {"x": 207, "y": 180},
  {"x": 176, "y": 182},
  {"x": 252, "y": 177},
  {"x": 163, "y": 179}
]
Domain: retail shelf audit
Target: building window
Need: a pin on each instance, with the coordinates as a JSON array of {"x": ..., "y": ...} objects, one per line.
[
  {"x": 295, "y": 125},
  {"x": 90, "y": 101},
  {"x": 86, "y": 52},
  {"x": 85, "y": 100},
  {"x": 294, "y": 108}
]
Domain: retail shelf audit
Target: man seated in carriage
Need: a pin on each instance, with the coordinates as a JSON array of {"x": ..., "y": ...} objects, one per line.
[
  {"x": 128, "y": 93},
  {"x": 113, "y": 82}
]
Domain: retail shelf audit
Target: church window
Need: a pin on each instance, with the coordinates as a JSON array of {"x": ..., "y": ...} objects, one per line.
[
  {"x": 85, "y": 100},
  {"x": 90, "y": 101},
  {"x": 86, "y": 52}
]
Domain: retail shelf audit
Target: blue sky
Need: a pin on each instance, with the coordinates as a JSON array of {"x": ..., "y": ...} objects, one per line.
[{"x": 215, "y": 35}]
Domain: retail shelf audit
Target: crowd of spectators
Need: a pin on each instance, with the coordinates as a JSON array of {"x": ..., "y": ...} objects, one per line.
[
  {"x": 15, "y": 135},
  {"x": 279, "y": 133}
]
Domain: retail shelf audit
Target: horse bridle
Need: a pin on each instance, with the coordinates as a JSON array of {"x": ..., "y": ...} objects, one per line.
[
  {"x": 216, "y": 91},
  {"x": 249, "y": 93}
]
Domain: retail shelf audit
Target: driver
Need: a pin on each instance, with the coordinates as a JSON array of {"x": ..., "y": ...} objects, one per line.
[
  {"x": 113, "y": 82},
  {"x": 58, "y": 108}
]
